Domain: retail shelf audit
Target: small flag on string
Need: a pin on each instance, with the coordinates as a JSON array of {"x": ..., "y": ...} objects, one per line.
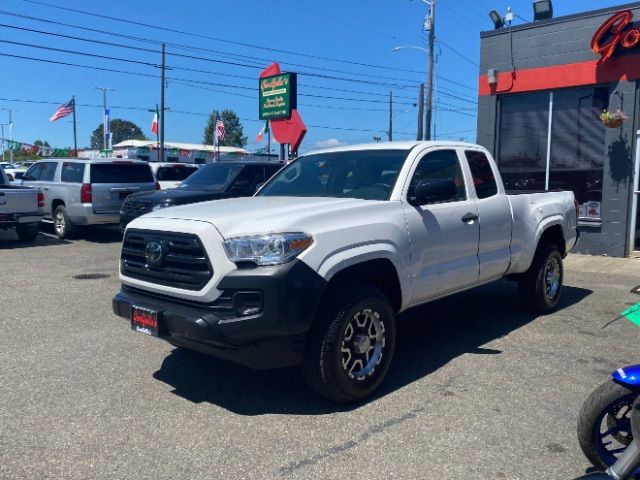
[
  {"x": 263, "y": 130},
  {"x": 64, "y": 110}
]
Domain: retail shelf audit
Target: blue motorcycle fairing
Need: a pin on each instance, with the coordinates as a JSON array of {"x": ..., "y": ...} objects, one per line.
[{"x": 628, "y": 376}]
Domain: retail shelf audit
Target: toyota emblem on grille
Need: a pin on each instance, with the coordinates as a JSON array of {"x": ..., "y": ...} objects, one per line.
[{"x": 154, "y": 253}]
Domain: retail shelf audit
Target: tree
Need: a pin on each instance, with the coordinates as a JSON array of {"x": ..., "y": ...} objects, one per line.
[
  {"x": 234, "y": 134},
  {"x": 121, "y": 129},
  {"x": 40, "y": 143}
]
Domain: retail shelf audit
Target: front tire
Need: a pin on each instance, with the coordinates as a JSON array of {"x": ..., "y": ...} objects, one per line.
[
  {"x": 62, "y": 225},
  {"x": 605, "y": 411},
  {"x": 540, "y": 287},
  {"x": 350, "y": 345},
  {"x": 28, "y": 233}
]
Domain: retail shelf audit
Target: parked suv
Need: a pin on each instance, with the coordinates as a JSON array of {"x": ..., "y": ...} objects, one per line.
[
  {"x": 213, "y": 181},
  {"x": 87, "y": 192},
  {"x": 170, "y": 175}
]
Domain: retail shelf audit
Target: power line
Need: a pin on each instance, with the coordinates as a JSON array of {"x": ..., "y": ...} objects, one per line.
[
  {"x": 217, "y": 52},
  {"x": 222, "y": 40},
  {"x": 182, "y": 112},
  {"x": 168, "y": 78}
]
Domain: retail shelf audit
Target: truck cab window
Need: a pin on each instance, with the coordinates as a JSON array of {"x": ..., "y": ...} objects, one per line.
[{"x": 438, "y": 166}]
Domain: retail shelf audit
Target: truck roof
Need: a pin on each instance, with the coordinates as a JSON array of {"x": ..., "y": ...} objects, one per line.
[{"x": 404, "y": 145}]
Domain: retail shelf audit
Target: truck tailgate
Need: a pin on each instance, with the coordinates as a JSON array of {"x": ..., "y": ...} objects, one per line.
[{"x": 14, "y": 199}]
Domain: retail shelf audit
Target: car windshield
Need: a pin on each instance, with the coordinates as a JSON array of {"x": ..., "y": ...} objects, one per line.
[
  {"x": 367, "y": 175},
  {"x": 175, "y": 172},
  {"x": 213, "y": 176}
]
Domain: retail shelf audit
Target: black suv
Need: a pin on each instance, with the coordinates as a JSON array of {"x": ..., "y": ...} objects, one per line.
[{"x": 213, "y": 181}]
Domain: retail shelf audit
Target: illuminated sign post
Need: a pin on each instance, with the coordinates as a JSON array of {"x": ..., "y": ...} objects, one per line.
[
  {"x": 613, "y": 34},
  {"x": 277, "y": 96}
]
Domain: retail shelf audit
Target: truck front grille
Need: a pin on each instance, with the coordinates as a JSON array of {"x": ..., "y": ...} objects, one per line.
[
  {"x": 184, "y": 262},
  {"x": 135, "y": 208}
]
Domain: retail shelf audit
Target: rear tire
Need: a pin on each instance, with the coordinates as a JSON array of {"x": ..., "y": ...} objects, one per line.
[
  {"x": 540, "y": 287},
  {"x": 62, "y": 226},
  {"x": 351, "y": 344},
  {"x": 604, "y": 401},
  {"x": 28, "y": 232}
]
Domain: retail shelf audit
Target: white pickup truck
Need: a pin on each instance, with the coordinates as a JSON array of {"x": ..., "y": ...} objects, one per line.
[
  {"x": 20, "y": 208},
  {"x": 314, "y": 268}
]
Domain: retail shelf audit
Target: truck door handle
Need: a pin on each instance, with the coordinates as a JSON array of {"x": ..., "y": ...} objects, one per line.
[
  {"x": 469, "y": 217},
  {"x": 46, "y": 188}
]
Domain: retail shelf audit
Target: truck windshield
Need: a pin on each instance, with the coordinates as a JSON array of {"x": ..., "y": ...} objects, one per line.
[
  {"x": 213, "y": 176},
  {"x": 365, "y": 174}
]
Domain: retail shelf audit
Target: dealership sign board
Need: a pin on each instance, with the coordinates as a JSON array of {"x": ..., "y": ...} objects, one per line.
[
  {"x": 617, "y": 33},
  {"x": 278, "y": 96}
]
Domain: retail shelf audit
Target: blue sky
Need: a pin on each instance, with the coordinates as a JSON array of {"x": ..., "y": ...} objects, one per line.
[{"x": 315, "y": 34}]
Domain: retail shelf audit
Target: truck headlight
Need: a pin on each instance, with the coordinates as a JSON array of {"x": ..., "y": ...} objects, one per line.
[
  {"x": 272, "y": 249},
  {"x": 159, "y": 206}
]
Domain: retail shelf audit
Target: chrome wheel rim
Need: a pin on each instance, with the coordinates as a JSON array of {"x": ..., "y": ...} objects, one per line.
[
  {"x": 363, "y": 344},
  {"x": 552, "y": 278},
  {"x": 59, "y": 223}
]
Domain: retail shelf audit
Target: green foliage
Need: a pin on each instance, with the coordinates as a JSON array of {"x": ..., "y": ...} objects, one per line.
[
  {"x": 121, "y": 129},
  {"x": 234, "y": 132}
]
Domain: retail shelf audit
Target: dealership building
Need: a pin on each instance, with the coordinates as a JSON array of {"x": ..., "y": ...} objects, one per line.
[{"x": 542, "y": 91}]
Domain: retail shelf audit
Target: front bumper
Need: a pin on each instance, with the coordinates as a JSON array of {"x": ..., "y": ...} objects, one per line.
[{"x": 272, "y": 337}]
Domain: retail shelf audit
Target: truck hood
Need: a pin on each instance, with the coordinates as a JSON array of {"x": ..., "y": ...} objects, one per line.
[{"x": 259, "y": 215}]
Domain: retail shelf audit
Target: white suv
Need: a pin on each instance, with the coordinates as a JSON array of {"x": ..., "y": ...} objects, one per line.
[{"x": 170, "y": 175}]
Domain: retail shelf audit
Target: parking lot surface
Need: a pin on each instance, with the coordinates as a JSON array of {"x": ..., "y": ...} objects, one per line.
[{"x": 479, "y": 387}]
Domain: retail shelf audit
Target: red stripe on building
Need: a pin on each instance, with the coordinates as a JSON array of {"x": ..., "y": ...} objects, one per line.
[{"x": 563, "y": 76}]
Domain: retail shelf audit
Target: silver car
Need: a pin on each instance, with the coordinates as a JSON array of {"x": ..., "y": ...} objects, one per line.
[{"x": 87, "y": 192}]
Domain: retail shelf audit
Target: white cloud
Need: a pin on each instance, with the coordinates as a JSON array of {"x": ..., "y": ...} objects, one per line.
[{"x": 331, "y": 142}]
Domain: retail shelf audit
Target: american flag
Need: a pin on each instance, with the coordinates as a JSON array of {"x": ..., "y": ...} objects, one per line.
[
  {"x": 64, "y": 110},
  {"x": 220, "y": 130}
]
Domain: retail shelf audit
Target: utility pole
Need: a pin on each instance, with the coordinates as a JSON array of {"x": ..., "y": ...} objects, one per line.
[
  {"x": 105, "y": 119},
  {"x": 430, "y": 27},
  {"x": 162, "y": 80},
  {"x": 390, "y": 115},
  {"x": 420, "y": 111}
]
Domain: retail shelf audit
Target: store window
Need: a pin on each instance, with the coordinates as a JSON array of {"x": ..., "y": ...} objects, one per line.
[{"x": 577, "y": 144}]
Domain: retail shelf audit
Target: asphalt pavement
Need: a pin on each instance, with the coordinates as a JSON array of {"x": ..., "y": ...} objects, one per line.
[{"x": 479, "y": 387}]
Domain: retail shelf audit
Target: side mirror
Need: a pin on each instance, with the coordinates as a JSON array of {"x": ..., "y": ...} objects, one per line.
[{"x": 433, "y": 191}]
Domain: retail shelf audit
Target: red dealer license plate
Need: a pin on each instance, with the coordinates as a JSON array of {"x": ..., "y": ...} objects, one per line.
[{"x": 144, "y": 320}]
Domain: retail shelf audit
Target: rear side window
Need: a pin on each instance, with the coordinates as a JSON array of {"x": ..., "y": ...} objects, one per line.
[
  {"x": 483, "y": 178},
  {"x": 72, "y": 172},
  {"x": 175, "y": 172},
  {"x": 121, "y": 173}
]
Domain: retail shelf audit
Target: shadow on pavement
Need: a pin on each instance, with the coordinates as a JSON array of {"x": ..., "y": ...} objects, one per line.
[
  {"x": 429, "y": 337},
  {"x": 9, "y": 240},
  {"x": 93, "y": 234}
]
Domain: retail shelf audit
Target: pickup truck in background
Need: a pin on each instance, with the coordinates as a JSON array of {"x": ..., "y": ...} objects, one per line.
[
  {"x": 20, "y": 208},
  {"x": 315, "y": 267}
]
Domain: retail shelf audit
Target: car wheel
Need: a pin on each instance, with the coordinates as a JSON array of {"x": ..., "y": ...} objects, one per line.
[
  {"x": 351, "y": 344},
  {"x": 541, "y": 286},
  {"x": 28, "y": 233},
  {"x": 62, "y": 225}
]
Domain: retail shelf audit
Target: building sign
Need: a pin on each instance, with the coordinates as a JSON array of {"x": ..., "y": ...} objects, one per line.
[
  {"x": 615, "y": 34},
  {"x": 278, "y": 96}
]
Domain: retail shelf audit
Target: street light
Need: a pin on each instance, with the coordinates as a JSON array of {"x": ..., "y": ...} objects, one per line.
[
  {"x": 105, "y": 122},
  {"x": 426, "y": 103}
]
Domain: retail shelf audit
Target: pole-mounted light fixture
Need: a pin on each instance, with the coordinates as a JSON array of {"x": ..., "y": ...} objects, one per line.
[
  {"x": 492, "y": 77},
  {"x": 497, "y": 19},
  {"x": 542, "y": 10}
]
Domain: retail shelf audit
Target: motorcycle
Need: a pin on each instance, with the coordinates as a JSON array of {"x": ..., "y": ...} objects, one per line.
[
  {"x": 609, "y": 421},
  {"x": 606, "y": 426}
]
